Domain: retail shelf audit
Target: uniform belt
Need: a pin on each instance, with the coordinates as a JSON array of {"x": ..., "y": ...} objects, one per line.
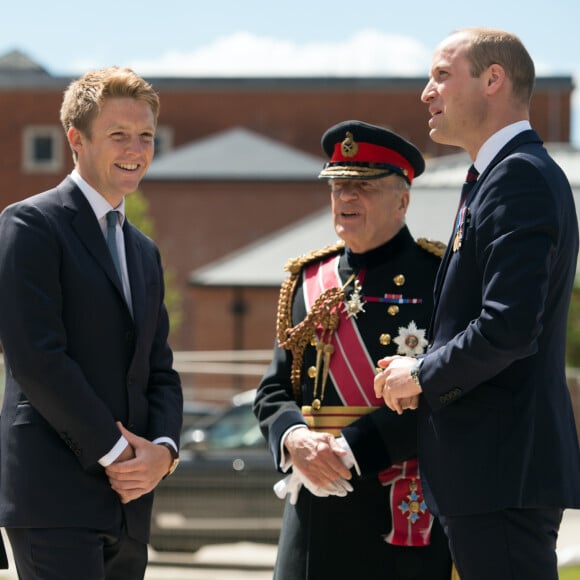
[{"x": 331, "y": 419}]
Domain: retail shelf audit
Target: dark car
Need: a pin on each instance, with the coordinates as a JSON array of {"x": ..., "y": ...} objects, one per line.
[
  {"x": 222, "y": 489},
  {"x": 198, "y": 414}
]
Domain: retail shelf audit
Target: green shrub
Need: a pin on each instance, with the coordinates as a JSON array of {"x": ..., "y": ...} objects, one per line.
[{"x": 573, "y": 336}]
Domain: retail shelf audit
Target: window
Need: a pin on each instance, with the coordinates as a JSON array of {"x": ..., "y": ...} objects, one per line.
[{"x": 43, "y": 149}]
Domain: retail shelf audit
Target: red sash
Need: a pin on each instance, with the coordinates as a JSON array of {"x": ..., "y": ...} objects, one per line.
[
  {"x": 353, "y": 377},
  {"x": 352, "y": 371}
]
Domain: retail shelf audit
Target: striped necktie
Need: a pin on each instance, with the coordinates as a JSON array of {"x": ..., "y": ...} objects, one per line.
[{"x": 470, "y": 179}]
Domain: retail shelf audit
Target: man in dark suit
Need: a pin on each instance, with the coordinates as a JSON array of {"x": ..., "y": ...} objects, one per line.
[
  {"x": 497, "y": 441},
  {"x": 92, "y": 407}
]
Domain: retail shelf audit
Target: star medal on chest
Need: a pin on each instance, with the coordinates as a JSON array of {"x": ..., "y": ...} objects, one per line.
[
  {"x": 355, "y": 304},
  {"x": 411, "y": 340}
]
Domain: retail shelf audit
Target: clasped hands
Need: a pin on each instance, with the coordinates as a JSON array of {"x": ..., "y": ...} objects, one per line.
[
  {"x": 139, "y": 468},
  {"x": 395, "y": 384},
  {"x": 320, "y": 462}
]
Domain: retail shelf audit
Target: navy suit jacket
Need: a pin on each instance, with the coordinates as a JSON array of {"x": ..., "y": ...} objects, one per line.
[
  {"x": 77, "y": 362},
  {"x": 496, "y": 427}
]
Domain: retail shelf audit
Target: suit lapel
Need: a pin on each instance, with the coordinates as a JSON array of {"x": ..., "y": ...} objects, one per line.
[
  {"x": 520, "y": 139},
  {"x": 86, "y": 227}
]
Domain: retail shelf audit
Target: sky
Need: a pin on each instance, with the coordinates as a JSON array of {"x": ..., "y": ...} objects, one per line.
[{"x": 276, "y": 38}]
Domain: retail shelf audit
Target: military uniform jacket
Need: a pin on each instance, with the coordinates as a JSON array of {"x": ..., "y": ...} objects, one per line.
[{"x": 313, "y": 531}]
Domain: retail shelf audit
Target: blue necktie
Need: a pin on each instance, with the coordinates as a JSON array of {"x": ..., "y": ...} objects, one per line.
[{"x": 112, "y": 221}]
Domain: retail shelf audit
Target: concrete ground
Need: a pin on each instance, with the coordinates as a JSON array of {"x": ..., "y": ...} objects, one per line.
[{"x": 247, "y": 561}]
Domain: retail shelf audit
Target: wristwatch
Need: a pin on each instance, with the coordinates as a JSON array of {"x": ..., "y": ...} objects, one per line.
[
  {"x": 174, "y": 458},
  {"x": 414, "y": 372}
]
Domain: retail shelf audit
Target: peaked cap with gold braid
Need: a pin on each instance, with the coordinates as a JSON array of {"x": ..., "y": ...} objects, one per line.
[{"x": 358, "y": 150}]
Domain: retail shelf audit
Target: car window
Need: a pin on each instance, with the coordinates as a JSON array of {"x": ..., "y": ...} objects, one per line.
[{"x": 237, "y": 427}]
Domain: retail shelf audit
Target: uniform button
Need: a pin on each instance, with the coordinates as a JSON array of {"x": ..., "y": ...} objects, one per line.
[
  {"x": 399, "y": 280},
  {"x": 393, "y": 310},
  {"x": 312, "y": 372},
  {"x": 385, "y": 339}
]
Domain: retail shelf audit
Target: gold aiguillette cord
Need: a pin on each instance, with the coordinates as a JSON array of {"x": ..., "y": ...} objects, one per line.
[{"x": 324, "y": 351}]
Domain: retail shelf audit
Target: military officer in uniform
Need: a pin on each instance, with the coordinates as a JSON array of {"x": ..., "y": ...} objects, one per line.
[{"x": 354, "y": 504}]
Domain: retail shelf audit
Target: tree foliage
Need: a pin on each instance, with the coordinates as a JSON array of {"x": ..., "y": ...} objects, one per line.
[
  {"x": 573, "y": 336},
  {"x": 137, "y": 209}
]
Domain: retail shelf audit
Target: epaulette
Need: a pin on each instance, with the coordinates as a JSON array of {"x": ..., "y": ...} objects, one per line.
[
  {"x": 432, "y": 246},
  {"x": 295, "y": 265}
]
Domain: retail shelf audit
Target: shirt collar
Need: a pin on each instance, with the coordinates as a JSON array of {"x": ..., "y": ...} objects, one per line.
[
  {"x": 494, "y": 144},
  {"x": 97, "y": 202}
]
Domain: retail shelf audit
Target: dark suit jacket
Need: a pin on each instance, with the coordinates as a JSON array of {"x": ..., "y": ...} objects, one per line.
[
  {"x": 76, "y": 362},
  {"x": 496, "y": 423}
]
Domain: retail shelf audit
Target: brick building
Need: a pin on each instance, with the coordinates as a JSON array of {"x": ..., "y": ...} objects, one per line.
[{"x": 209, "y": 211}]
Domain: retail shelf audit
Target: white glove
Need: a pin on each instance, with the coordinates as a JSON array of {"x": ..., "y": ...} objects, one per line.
[
  {"x": 289, "y": 485},
  {"x": 292, "y": 484},
  {"x": 348, "y": 459}
]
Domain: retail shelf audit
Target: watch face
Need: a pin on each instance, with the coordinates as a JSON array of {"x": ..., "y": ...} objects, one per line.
[{"x": 414, "y": 372}]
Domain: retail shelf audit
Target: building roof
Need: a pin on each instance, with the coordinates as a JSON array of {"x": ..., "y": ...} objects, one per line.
[
  {"x": 18, "y": 70},
  {"x": 262, "y": 263},
  {"x": 448, "y": 170},
  {"x": 235, "y": 154},
  {"x": 41, "y": 78},
  {"x": 434, "y": 199}
]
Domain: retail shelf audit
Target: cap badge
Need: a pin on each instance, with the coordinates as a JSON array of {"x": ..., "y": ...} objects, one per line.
[{"x": 349, "y": 147}]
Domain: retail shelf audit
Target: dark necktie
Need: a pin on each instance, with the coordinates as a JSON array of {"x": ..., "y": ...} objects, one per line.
[
  {"x": 470, "y": 179},
  {"x": 460, "y": 216},
  {"x": 112, "y": 220}
]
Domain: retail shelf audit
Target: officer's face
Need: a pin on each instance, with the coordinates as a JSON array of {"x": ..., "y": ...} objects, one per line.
[{"x": 369, "y": 213}]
